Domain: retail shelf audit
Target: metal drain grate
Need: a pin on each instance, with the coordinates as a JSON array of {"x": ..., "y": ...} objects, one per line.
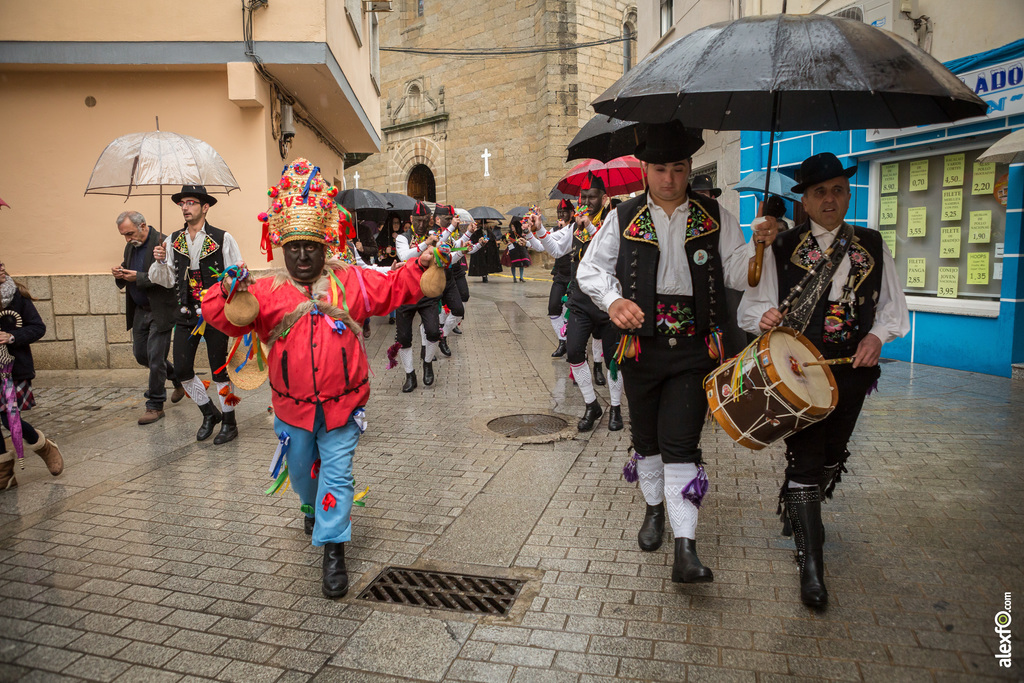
[
  {"x": 529, "y": 424},
  {"x": 440, "y": 590}
]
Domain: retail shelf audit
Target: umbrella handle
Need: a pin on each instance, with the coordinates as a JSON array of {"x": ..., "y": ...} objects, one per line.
[{"x": 754, "y": 268}]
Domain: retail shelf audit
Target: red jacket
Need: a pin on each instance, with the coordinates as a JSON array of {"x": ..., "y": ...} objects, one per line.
[{"x": 314, "y": 364}]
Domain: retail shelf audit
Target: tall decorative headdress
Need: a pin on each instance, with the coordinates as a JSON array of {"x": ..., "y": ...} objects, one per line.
[{"x": 303, "y": 208}]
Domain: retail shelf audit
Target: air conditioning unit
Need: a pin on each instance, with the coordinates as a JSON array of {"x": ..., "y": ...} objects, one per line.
[
  {"x": 378, "y": 6},
  {"x": 888, "y": 15}
]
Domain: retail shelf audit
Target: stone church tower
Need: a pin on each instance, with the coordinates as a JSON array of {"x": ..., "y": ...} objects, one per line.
[{"x": 482, "y": 129}]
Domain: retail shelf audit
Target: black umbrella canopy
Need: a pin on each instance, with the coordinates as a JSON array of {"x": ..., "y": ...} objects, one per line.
[
  {"x": 558, "y": 194},
  {"x": 827, "y": 73},
  {"x": 518, "y": 211},
  {"x": 358, "y": 199},
  {"x": 485, "y": 213},
  {"x": 604, "y": 138},
  {"x": 399, "y": 202}
]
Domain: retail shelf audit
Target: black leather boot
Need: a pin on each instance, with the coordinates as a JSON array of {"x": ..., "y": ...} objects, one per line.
[
  {"x": 211, "y": 418},
  {"x": 428, "y": 373},
  {"x": 590, "y": 417},
  {"x": 652, "y": 531},
  {"x": 614, "y": 418},
  {"x": 803, "y": 507},
  {"x": 456, "y": 329},
  {"x": 443, "y": 346},
  {"x": 687, "y": 567},
  {"x": 307, "y": 525},
  {"x": 599, "y": 379},
  {"x": 410, "y": 382},
  {"x": 335, "y": 581},
  {"x": 560, "y": 350},
  {"x": 228, "y": 429}
]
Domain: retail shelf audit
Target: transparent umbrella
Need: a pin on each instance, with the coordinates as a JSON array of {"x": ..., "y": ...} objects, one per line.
[{"x": 142, "y": 163}]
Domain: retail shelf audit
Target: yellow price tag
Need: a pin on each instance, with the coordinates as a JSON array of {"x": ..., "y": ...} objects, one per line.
[
  {"x": 949, "y": 242},
  {"x": 890, "y": 178},
  {"x": 949, "y": 279},
  {"x": 984, "y": 178},
  {"x": 915, "y": 272},
  {"x": 887, "y": 210},
  {"x": 889, "y": 236},
  {"x": 952, "y": 204},
  {"x": 953, "y": 170},
  {"x": 980, "y": 227},
  {"x": 977, "y": 268},
  {"x": 919, "y": 175},
  {"x": 916, "y": 221}
]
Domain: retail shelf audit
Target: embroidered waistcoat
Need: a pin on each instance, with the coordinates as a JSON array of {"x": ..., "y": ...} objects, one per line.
[
  {"x": 639, "y": 254},
  {"x": 212, "y": 256},
  {"x": 834, "y": 327}
]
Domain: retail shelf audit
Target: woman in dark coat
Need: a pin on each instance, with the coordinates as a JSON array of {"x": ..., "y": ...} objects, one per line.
[
  {"x": 386, "y": 254},
  {"x": 488, "y": 259},
  {"x": 518, "y": 254},
  {"x": 20, "y": 326}
]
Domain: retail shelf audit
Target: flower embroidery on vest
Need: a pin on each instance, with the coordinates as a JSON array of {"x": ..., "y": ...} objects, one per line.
[
  {"x": 699, "y": 223},
  {"x": 641, "y": 228},
  {"x": 808, "y": 253},
  {"x": 671, "y": 319}
]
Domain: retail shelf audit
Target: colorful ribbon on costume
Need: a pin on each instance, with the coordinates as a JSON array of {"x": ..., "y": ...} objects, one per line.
[{"x": 697, "y": 488}]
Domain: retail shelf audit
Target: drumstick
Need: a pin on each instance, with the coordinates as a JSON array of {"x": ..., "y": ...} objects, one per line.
[{"x": 832, "y": 361}]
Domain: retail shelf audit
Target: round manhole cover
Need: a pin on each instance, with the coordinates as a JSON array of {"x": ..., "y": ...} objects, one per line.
[{"x": 529, "y": 424}]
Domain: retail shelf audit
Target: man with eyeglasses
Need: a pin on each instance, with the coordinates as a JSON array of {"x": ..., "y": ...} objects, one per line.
[{"x": 197, "y": 251}]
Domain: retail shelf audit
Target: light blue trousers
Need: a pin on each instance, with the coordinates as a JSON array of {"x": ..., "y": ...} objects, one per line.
[{"x": 334, "y": 449}]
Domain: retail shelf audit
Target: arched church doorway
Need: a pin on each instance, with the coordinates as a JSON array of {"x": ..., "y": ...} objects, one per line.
[{"x": 421, "y": 184}]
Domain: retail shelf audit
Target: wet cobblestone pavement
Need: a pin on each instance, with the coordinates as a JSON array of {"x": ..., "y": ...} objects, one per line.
[{"x": 157, "y": 558}]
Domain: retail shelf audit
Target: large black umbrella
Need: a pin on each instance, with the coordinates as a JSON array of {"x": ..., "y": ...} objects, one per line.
[
  {"x": 558, "y": 194},
  {"x": 518, "y": 211},
  {"x": 359, "y": 199},
  {"x": 399, "y": 203},
  {"x": 485, "y": 213},
  {"x": 790, "y": 72},
  {"x": 604, "y": 138}
]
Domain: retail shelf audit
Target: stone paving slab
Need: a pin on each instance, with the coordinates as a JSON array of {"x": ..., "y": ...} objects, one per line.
[{"x": 156, "y": 558}]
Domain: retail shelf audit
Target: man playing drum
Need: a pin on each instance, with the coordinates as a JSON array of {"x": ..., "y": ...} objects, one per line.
[
  {"x": 660, "y": 267},
  {"x": 850, "y": 307}
]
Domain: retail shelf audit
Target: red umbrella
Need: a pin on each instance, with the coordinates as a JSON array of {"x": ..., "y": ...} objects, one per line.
[
  {"x": 620, "y": 176},
  {"x": 3, "y": 203}
]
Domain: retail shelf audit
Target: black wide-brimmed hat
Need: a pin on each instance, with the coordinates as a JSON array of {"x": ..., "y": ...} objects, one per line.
[
  {"x": 197, "y": 191},
  {"x": 819, "y": 168},
  {"x": 702, "y": 183},
  {"x": 668, "y": 142}
]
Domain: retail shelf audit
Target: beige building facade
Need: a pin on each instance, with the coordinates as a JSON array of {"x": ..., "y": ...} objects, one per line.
[
  {"x": 947, "y": 29},
  {"x": 75, "y": 76},
  {"x": 487, "y": 129}
]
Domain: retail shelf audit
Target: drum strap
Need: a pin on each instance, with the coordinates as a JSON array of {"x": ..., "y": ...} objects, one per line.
[{"x": 816, "y": 282}]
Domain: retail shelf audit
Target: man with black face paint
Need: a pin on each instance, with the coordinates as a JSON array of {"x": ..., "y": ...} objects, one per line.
[{"x": 310, "y": 319}]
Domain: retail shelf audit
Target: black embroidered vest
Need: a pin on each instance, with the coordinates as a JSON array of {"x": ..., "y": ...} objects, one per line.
[
  {"x": 639, "y": 254},
  {"x": 834, "y": 328},
  {"x": 212, "y": 252}
]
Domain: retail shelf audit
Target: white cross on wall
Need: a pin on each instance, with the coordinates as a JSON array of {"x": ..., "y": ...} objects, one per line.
[
  {"x": 486, "y": 156},
  {"x": 356, "y": 176}
]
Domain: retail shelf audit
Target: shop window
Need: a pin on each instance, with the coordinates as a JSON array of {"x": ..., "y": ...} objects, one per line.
[
  {"x": 666, "y": 16},
  {"x": 944, "y": 218}
]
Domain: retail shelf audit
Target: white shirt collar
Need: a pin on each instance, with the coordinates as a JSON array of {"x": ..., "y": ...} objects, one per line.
[
  {"x": 818, "y": 231},
  {"x": 682, "y": 208}
]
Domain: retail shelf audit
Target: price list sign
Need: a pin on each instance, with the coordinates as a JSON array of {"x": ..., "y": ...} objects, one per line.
[
  {"x": 983, "y": 178},
  {"x": 915, "y": 272},
  {"x": 949, "y": 245},
  {"x": 977, "y": 268},
  {"x": 916, "y": 221},
  {"x": 949, "y": 278},
  {"x": 953, "y": 170},
  {"x": 889, "y": 236},
  {"x": 887, "y": 208},
  {"x": 980, "y": 227},
  {"x": 919, "y": 175},
  {"x": 890, "y": 178},
  {"x": 952, "y": 204}
]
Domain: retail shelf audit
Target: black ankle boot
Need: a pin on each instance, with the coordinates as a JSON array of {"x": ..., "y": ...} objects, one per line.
[
  {"x": 590, "y": 417},
  {"x": 211, "y": 418},
  {"x": 561, "y": 350},
  {"x": 410, "y": 382},
  {"x": 335, "y": 581},
  {"x": 428, "y": 373},
  {"x": 803, "y": 507},
  {"x": 614, "y": 418},
  {"x": 599, "y": 379},
  {"x": 687, "y": 567},
  {"x": 443, "y": 346},
  {"x": 307, "y": 525},
  {"x": 228, "y": 429},
  {"x": 652, "y": 531}
]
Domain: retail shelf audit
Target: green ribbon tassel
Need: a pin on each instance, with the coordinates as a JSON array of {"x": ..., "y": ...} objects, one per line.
[
  {"x": 613, "y": 369},
  {"x": 307, "y": 509},
  {"x": 279, "y": 482}
]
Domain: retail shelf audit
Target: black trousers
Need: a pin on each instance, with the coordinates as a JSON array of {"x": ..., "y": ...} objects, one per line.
[
  {"x": 427, "y": 309},
  {"x": 587, "y": 320},
  {"x": 823, "y": 444},
  {"x": 186, "y": 345},
  {"x": 452, "y": 298},
  {"x": 667, "y": 403},
  {"x": 459, "y": 275},
  {"x": 555, "y": 297},
  {"x": 150, "y": 347}
]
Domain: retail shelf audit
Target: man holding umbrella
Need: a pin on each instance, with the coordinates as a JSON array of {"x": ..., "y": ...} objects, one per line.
[
  {"x": 660, "y": 267},
  {"x": 196, "y": 251},
  {"x": 850, "y": 307}
]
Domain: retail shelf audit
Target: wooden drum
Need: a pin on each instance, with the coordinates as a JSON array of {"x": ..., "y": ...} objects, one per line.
[{"x": 765, "y": 393}]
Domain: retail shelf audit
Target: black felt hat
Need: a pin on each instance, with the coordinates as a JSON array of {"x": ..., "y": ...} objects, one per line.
[
  {"x": 442, "y": 210},
  {"x": 818, "y": 169},
  {"x": 421, "y": 209},
  {"x": 197, "y": 191},
  {"x": 702, "y": 183},
  {"x": 668, "y": 142}
]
